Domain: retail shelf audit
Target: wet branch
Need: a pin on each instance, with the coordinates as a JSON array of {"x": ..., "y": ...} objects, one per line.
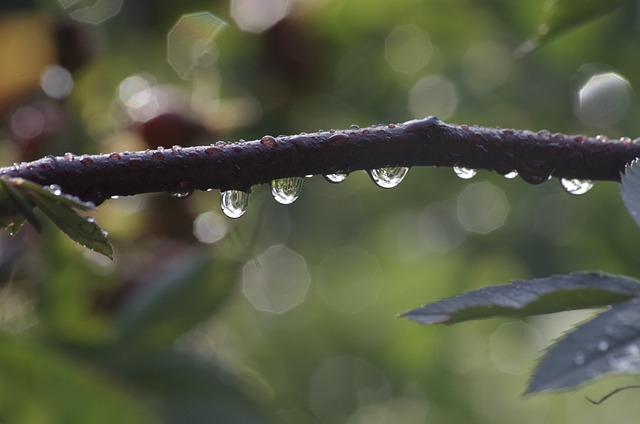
[{"x": 424, "y": 142}]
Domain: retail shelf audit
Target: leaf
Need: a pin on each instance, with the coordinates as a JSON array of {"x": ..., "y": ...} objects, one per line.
[
  {"x": 59, "y": 208},
  {"x": 563, "y": 15},
  {"x": 39, "y": 384},
  {"x": 608, "y": 343},
  {"x": 187, "y": 390},
  {"x": 15, "y": 207},
  {"x": 530, "y": 297},
  {"x": 174, "y": 300},
  {"x": 630, "y": 189}
]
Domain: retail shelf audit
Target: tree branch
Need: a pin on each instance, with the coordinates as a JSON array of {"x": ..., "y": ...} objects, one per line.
[{"x": 424, "y": 142}]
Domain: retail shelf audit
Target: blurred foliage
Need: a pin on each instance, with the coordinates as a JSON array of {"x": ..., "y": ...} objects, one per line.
[{"x": 87, "y": 339}]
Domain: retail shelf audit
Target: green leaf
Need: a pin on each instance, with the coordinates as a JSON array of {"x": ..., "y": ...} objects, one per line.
[
  {"x": 557, "y": 293},
  {"x": 187, "y": 390},
  {"x": 15, "y": 207},
  {"x": 59, "y": 208},
  {"x": 40, "y": 385},
  {"x": 173, "y": 300},
  {"x": 563, "y": 15},
  {"x": 630, "y": 189},
  {"x": 608, "y": 343}
]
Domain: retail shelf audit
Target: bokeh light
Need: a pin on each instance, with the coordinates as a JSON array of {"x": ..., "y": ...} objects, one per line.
[
  {"x": 433, "y": 95},
  {"x": 28, "y": 122},
  {"x": 258, "y": 15},
  {"x": 514, "y": 346},
  {"x": 407, "y": 49},
  {"x": 95, "y": 13},
  {"x": 276, "y": 280},
  {"x": 210, "y": 227},
  {"x": 136, "y": 95},
  {"x": 482, "y": 207},
  {"x": 349, "y": 279},
  {"x": 603, "y": 100},
  {"x": 344, "y": 385},
  {"x": 56, "y": 81},
  {"x": 190, "y": 43}
]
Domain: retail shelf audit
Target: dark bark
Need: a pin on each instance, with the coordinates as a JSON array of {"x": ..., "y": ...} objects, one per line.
[{"x": 425, "y": 142}]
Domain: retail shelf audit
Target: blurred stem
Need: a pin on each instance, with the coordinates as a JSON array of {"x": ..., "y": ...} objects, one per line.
[{"x": 424, "y": 142}]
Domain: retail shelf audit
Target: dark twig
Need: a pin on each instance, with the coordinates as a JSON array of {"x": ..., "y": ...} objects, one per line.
[
  {"x": 425, "y": 142},
  {"x": 616, "y": 391}
]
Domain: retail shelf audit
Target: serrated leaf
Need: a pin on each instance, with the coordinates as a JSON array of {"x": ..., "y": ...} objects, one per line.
[
  {"x": 630, "y": 189},
  {"x": 16, "y": 206},
  {"x": 557, "y": 293},
  {"x": 608, "y": 343},
  {"x": 563, "y": 15},
  {"x": 174, "y": 300},
  {"x": 53, "y": 194}
]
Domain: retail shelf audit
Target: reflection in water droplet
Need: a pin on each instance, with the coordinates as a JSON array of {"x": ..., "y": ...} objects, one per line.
[
  {"x": 464, "y": 173},
  {"x": 286, "y": 190},
  {"x": 55, "y": 189},
  {"x": 234, "y": 203},
  {"x": 575, "y": 186},
  {"x": 388, "y": 177},
  {"x": 579, "y": 359},
  {"x": 336, "y": 178},
  {"x": 511, "y": 174},
  {"x": 181, "y": 194}
]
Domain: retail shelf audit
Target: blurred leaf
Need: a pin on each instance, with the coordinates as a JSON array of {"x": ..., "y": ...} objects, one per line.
[
  {"x": 15, "y": 207},
  {"x": 38, "y": 385},
  {"x": 60, "y": 209},
  {"x": 563, "y": 15},
  {"x": 557, "y": 293},
  {"x": 172, "y": 302},
  {"x": 630, "y": 189},
  {"x": 187, "y": 390},
  {"x": 608, "y": 343}
]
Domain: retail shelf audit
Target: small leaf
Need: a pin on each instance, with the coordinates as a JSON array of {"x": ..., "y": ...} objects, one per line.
[
  {"x": 174, "y": 300},
  {"x": 557, "y": 293},
  {"x": 59, "y": 208},
  {"x": 16, "y": 206},
  {"x": 563, "y": 15},
  {"x": 630, "y": 189},
  {"x": 608, "y": 343}
]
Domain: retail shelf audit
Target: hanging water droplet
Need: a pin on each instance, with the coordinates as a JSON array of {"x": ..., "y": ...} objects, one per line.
[
  {"x": 286, "y": 190},
  {"x": 234, "y": 203},
  {"x": 464, "y": 173},
  {"x": 181, "y": 194},
  {"x": 388, "y": 177},
  {"x": 575, "y": 186},
  {"x": 336, "y": 178},
  {"x": 511, "y": 174}
]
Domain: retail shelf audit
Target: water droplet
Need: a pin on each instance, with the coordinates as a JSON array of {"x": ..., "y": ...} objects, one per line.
[
  {"x": 511, "y": 174},
  {"x": 336, "y": 178},
  {"x": 86, "y": 160},
  {"x": 176, "y": 148},
  {"x": 234, "y": 203},
  {"x": 69, "y": 156},
  {"x": 286, "y": 190},
  {"x": 602, "y": 138},
  {"x": 579, "y": 359},
  {"x": 575, "y": 186},
  {"x": 55, "y": 189},
  {"x": 181, "y": 194},
  {"x": 464, "y": 173},
  {"x": 354, "y": 127},
  {"x": 388, "y": 177},
  {"x": 268, "y": 141},
  {"x": 114, "y": 156},
  {"x": 603, "y": 345}
]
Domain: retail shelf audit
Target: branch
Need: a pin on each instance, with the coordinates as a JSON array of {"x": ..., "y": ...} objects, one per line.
[{"x": 424, "y": 142}]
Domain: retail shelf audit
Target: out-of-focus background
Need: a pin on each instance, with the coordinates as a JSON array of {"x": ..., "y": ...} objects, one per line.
[{"x": 309, "y": 327}]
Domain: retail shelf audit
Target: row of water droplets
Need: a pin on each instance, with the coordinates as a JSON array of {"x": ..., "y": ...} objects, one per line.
[{"x": 234, "y": 203}]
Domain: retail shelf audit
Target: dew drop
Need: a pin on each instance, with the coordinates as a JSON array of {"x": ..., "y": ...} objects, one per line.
[
  {"x": 234, "y": 203},
  {"x": 603, "y": 345},
  {"x": 575, "y": 186},
  {"x": 388, "y": 177},
  {"x": 511, "y": 174},
  {"x": 336, "y": 178},
  {"x": 464, "y": 173},
  {"x": 579, "y": 358},
  {"x": 286, "y": 190},
  {"x": 354, "y": 127},
  {"x": 181, "y": 194},
  {"x": 268, "y": 141},
  {"x": 55, "y": 189},
  {"x": 69, "y": 156}
]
